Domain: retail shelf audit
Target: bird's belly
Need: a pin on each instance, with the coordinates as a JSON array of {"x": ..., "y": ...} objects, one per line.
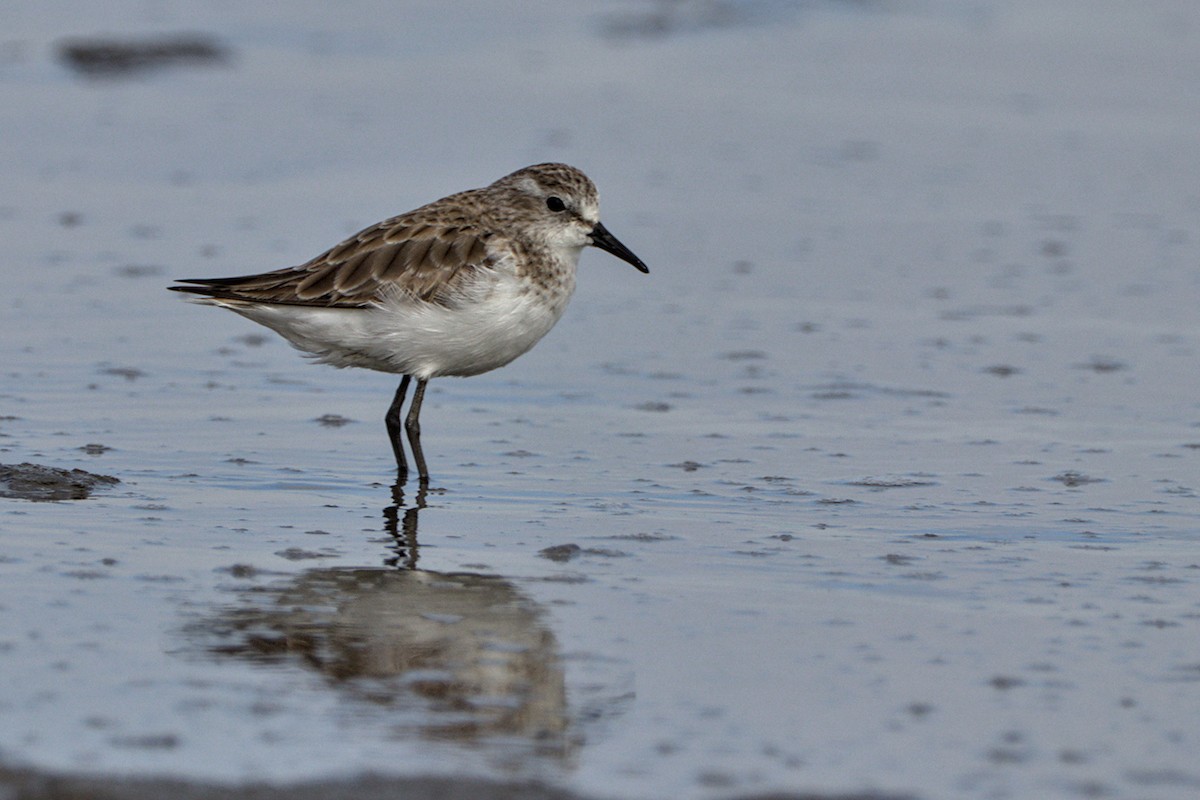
[
  {"x": 421, "y": 339},
  {"x": 434, "y": 340}
]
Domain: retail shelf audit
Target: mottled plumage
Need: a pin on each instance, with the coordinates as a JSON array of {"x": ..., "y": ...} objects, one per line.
[{"x": 457, "y": 287}]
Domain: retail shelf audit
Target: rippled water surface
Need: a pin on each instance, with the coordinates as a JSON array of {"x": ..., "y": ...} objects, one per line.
[{"x": 883, "y": 480}]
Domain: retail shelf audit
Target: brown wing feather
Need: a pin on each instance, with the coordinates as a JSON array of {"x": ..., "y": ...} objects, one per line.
[{"x": 409, "y": 254}]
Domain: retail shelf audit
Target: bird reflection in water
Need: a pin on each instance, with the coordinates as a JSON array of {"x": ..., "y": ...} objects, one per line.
[
  {"x": 400, "y": 521},
  {"x": 444, "y": 655}
]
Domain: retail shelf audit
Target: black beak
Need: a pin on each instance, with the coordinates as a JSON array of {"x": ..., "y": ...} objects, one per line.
[{"x": 608, "y": 243}]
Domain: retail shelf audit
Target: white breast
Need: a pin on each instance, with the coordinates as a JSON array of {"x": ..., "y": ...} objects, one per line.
[{"x": 502, "y": 317}]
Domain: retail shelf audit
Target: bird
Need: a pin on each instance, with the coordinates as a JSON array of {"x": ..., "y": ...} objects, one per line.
[{"x": 457, "y": 287}]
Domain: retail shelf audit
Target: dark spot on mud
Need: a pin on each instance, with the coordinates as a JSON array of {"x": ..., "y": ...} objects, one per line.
[
  {"x": 1054, "y": 248},
  {"x": 300, "y": 554},
  {"x": 642, "y": 537},
  {"x": 920, "y": 709},
  {"x": 128, "y": 373},
  {"x": 39, "y": 483},
  {"x": 151, "y": 741},
  {"x": 241, "y": 570},
  {"x": 122, "y": 58},
  {"x": 1103, "y": 364},
  {"x": 1073, "y": 478},
  {"x": 567, "y": 552},
  {"x": 744, "y": 355},
  {"x": 332, "y": 420},
  {"x": 890, "y": 483},
  {"x": 975, "y": 312},
  {"x": 138, "y": 271}
]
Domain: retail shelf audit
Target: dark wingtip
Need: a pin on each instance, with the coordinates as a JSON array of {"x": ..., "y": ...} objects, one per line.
[
  {"x": 190, "y": 289},
  {"x": 209, "y": 287}
]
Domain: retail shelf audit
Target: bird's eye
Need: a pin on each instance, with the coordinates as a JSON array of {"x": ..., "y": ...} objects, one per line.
[{"x": 555, "y": 204}]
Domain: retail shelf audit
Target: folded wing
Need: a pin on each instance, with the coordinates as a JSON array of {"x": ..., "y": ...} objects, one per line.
[{"x": 401, "y": 256}]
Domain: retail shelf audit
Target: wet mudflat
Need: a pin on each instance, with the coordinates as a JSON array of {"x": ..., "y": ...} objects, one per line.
[{"x": 882, "y": 483}]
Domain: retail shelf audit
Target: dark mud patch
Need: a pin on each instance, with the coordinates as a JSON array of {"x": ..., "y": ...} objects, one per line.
[
  {"x": 332, "y": 421},
  {"x": 880, "y": 483},
  {"x": 30, "y": 785},
  {"x": 568, "y": 552},
  {"x": 122, "y": 58},
  {"x": 1072, "y": 478},
  {"x": 22, "y": 784},
  {"x": 43, "y": 484}
]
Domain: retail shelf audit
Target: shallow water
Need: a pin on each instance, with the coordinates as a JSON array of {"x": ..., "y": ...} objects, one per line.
[{"x": 885, "y": 478}]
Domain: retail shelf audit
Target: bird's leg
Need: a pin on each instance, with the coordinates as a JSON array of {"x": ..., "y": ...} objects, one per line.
[
  {"x": 392, "y": 419},
  {"x": 412, "y": 425}
]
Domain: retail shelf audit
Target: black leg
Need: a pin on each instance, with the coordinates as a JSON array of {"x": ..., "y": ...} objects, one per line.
[
  {"x": 412, "y": 424},
  {"x": 393, "y": 426}
]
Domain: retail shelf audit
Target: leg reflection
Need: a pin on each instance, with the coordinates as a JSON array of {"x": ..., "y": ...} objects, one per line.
[{"x": 400, "y": 521}]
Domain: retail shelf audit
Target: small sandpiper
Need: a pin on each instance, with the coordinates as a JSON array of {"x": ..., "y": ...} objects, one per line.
[{"x": 457, "y": 287}]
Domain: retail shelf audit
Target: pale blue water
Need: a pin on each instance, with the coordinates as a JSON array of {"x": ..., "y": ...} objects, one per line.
[{"x": 884, "y": 478}]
